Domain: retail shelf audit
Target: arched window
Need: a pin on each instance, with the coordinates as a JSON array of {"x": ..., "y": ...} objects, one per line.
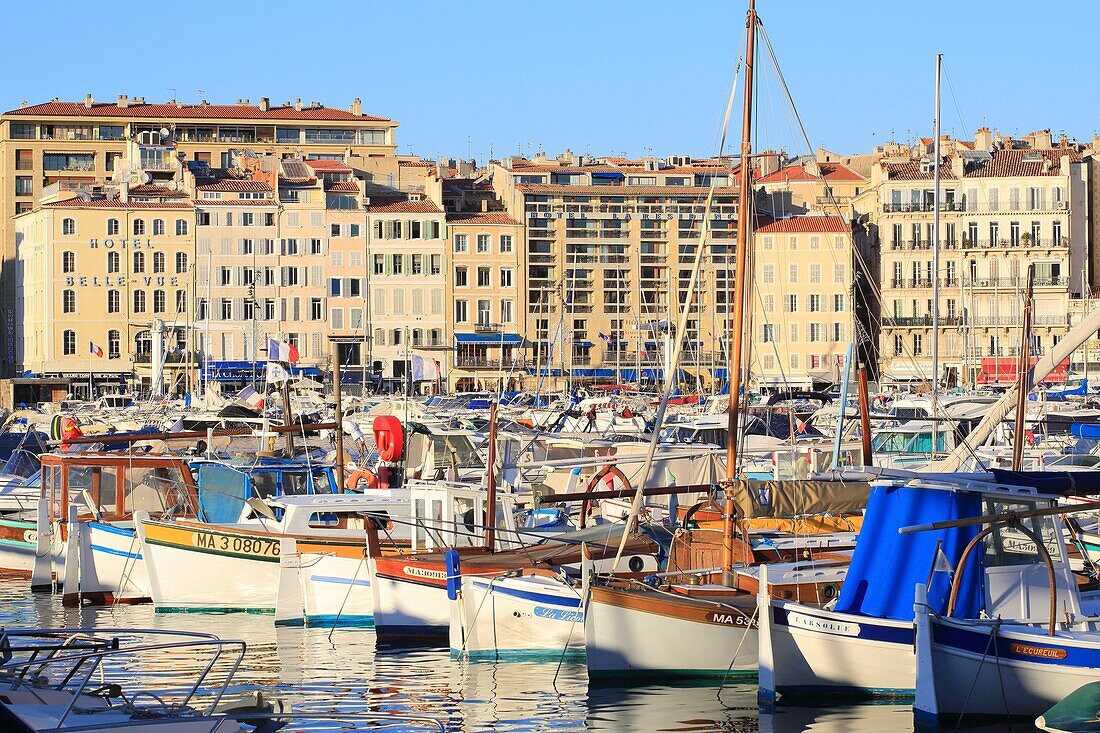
[
  {"x": 139, "y": 262},
  {"x": 112, "y": 227},
  {"x": 181, "y": 227},
  {"x": 113, "y": 262},
  {"x": 68, "y": 301},
  {"x": 158, "y": 301},
  {"x": 139, "y": 301},
  {"x": 158, "y": 227},
  {"x": 158, "y": 262},
  {"x": 68, "y": 226},
  {"x": 181, "y": 301},
  {"x": 114, "y": 302},
  {"x": 139, "y": 226},
  {"x": 181, "y": 262},
  {"x": 114, "y": 344},
  {"x": 68, "y": 261},
  {"x": 68, "y": 343}
]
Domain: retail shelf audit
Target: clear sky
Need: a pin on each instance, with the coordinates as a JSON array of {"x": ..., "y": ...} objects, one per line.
[{"x": 603, "y": 76}]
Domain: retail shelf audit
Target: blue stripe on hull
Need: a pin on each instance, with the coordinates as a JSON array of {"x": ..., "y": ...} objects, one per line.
[
  {"x": 113, "y": 551},
  {"x": 563, "y": 601},
  {"x": 869, "y": 629},
  {"x": 1018, "y": 648}
]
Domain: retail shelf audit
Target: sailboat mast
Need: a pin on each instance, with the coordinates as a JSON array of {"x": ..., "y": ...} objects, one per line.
[
  {"x": 744, "y": 223},
  {"x": 936, "y": 258}
]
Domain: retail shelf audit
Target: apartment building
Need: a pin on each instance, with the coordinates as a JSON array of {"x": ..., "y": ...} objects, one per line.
[
  {"x": 803, "y": 309},
  {"x": 609, "y": 246},
  {"x": 79, "y": 144},
  {"x": 810, "y": 186},
  {"x": 486, "y": 286},
  {"x": 1003, "y": 208}
]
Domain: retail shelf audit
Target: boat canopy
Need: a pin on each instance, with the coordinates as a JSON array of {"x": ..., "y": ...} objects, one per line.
[
  {"x": 886, "y": 565},
  {"x": 1059, "y": 483},
  {"x": 759, "y": 499}
]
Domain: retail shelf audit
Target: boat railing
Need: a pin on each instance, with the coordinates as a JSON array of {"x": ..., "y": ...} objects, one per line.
[{"x": 80, "y": 653}]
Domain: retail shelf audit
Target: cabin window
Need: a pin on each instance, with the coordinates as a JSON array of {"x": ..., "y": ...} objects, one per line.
[
  {"x": 155, "y": 489},
  {"x": 1008, "y": 546},
  {"x": 264, "y": 484},
  {"x": 295, "y": 484}
]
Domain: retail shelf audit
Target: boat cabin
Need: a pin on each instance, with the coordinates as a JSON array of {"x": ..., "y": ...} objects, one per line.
[
  {"x": 111, "y": 487},
  {"x": 446, "y": 515},
  {"x": 223, "y": 488}
]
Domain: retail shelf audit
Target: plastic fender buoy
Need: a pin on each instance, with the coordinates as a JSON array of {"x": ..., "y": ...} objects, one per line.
[
  {"x": 389, "y": 436},
  {"x": 362, "y": 475}
]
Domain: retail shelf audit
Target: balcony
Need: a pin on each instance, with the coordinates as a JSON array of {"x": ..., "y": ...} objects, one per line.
[
  {"x": 1024, "y": 242},
  {"x": 919, "y": 321},
  {"x": 976, "y": 208},
  {"x": 485, "y": 327},
  {"x": 480, "y": 362},
  {"x": 1015, "y": 283}
]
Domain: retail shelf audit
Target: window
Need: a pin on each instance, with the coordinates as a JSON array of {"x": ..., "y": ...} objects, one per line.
[
  {"x": 68, "y": 301},
  {"x": 68, "y": 343},
  {"x": 139, "y": 262},
  {"x": 768, "y": 333},
  {"x": 114, "y": 302},
  {"x": 114, "y": 344},
  {"x": 462, "y": 314},
  {"x": 793, "y": 272},
  {"x": 436, "y": 264},
  {"x": 227, "y": 309},
  {"x": 158, "y": 227},
  {"x": 838, "y": 303},
  {"x": 334, "y": 287},
  {"x": 353, "y": 230},
  {"x": 181, "y": 301},
  {"x": 505, "y": 243},
  {"x": 139, "y": 226},
  {"x": 159, "y": 304},
  {"x": 483, "y": 244},
  {"x": 840, "y": 272},
  {"x": 415, "y": 229},
  {"x": 68, "y": 261},
  {"x": 483, "y": 277},
  {"x": 395, "y": 229},
  {"x": 461, "y": 277},
  {"x": 769, "y": 303},
  {"x": 507, "y": 311},
  {"x": 334, "y": 230},
  {"x": 225, "y": 275},
  {"x": 181, "y": 262},
  {"x": 139, "y": 301},
  {"x": 462, "y": 243},
  {"x": 203, "y": 218},
  {"x": 397, "y": 264},
  {"x": 918, "y": 344},
  {"x": 290, "y": 246},
  {"x": 316, "y": 246},
  {"x": 158, "y": 262},
  {"x": 380, "y": 264},
  {"x": 316, "y": 309},
  {"x": 769, "y": 274},
  {"x": 112, "y": 227},
  {"x": 68, "y": 226},
  {"x": 417, "y": 265},
  {"x": 792, "y": 303},
  {"x": 484, "y": 312},
  {"x": 22, "y": 131},
  {"x": 1056, "y": 233},
  {"x": 815, "y": 332},
  {"x": 815, "y": 273},
  {"x": 505, "y": 277},
  {"x": 815, "y": 303}
]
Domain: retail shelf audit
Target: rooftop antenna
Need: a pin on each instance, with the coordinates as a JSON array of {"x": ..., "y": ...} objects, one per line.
[
  {"x": 469, "y": 146},
  {"x": 202, "y": 95}
]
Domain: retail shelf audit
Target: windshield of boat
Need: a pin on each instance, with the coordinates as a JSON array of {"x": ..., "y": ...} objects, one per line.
[
  {"x": 460, "y": 446},
  {"x": 1010, "y": 546},
  {"x": 897, "y": 441}
]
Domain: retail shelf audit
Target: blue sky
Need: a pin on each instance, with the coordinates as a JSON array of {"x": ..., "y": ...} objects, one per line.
[{"x": 601, "y": 76}]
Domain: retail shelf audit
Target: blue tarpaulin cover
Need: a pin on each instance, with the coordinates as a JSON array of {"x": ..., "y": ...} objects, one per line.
[{"x": 886, "y": 566}]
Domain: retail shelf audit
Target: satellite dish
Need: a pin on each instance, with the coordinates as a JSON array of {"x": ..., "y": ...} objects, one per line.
[
  {"x": 173, "y": 185},
  {"x": 164, "y": 132},
  {"x": 135, "y": 181},
  {"x": 145, "y": 178}
]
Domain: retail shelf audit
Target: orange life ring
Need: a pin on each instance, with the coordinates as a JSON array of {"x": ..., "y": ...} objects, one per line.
[
  {"x": 389, "y": 436},
  {"x": 362, "y": 474},
  {"x": 1030, "y": 436}
]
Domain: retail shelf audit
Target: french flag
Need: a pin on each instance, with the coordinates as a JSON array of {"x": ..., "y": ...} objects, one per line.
[
  {"x": 95, "y": 349},
  {"x": 281, "y": 351}
]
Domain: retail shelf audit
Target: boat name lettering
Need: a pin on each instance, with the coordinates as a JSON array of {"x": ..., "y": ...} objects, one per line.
[
  {"x": 814, "y": 623},
  {"x": 730, "y": 619},
  {"x": 424, "y": 572},
  {"x": 1044, "y": 652},
  {"x": 246, "y": 545},
  {"x": 558, "y": 614}
]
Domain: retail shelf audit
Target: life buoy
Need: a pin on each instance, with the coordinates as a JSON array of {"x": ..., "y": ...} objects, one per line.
[
  {"x": 389, "y": 436},
  {"x": 361, "y": 475},
  {"x": 1029, "y": 435}
]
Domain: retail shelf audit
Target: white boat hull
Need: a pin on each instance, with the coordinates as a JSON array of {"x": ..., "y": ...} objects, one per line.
[
  {"x": 107, "y": 568},
  {"x": 407, "y": 607},
  {"x": 529, "y": 616},
  {"x": 324, "y": 590}
]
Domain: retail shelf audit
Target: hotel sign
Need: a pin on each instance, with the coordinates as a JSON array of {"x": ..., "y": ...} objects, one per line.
[
  {"x": 120, "y": 281},
  {"x": 124, "y": 243}
]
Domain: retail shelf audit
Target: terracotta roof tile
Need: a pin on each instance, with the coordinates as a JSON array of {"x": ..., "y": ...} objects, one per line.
[
  {"x": 403, "y": 206},
  {"x": 343, "y": 187},
  {"x": 562, "y": 188},
  {"x": 202, "y": 203},
  {"x": 79, "y": 203},
  {"x": 235, "y": 184},
  {"x": 803, "y": 224},
  {"x": 796, "y": 173},
  {"x": 1023, "y": 162},
  {"x": 191, "y": 111},
  {"x": 910, "y": 170},
  {"x": 481, "y": 217},
  {"x": 328, "y": 166},
  {"x": 414, "y": 164}
]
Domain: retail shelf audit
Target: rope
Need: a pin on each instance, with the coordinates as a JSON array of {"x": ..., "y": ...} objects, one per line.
[{"x": 981, "y": 663}]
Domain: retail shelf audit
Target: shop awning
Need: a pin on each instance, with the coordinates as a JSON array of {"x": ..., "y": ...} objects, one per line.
[
  {"x": 583, "y": 344},
  {"x": 489, "y": 339}
]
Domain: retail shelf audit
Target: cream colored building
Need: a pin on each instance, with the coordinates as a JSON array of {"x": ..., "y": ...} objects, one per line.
[
  {"x": 1003, "y": 209},
  {"x": 803, "y": 310},
  {"x": 486, "y": 286},
  {"x": 609, "y": 246},
  {"x": 81, "y": 143}
]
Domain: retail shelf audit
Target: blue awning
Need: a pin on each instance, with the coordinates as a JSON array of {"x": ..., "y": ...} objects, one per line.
[
  {"x": 550, "y": 373},
  {"x": 583, "y": 344},
  {"x": 721, "y": 373},
  {"x": 608, "y": 174},
  {"x": 489, "y": 339},
  {"x": 584, "y": 372},
  {"x": 237, "y": 371},
  {"x": 605, "y": 372}
]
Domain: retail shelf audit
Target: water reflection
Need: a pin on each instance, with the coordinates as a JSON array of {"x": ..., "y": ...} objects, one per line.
[{"x": 343, "y": 670}]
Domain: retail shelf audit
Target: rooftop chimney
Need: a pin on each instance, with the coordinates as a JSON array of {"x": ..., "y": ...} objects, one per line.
[
  {"x": 88, "y": 101},
  {"x": 298, "y": 104},
  {"x": 264, "y": 104},
  {"x": 983, "y": 139},
  {"x": 356, "y": 107},
  {"x": 484, "y": 206},
  {"x": 123, "y": 101}
]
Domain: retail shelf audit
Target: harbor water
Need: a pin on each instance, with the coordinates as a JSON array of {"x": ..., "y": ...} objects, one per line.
[{"x": 343, "y": 670}]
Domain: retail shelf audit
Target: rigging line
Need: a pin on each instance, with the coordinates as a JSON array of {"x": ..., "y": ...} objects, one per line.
[{"x": 955, "y": 99}]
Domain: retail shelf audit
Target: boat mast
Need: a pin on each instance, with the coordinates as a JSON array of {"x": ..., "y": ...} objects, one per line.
[
  {"x": 936, "y": 194},
  {"x": 744, "y": 223},
  {"x": 1023, "y": 383}
]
